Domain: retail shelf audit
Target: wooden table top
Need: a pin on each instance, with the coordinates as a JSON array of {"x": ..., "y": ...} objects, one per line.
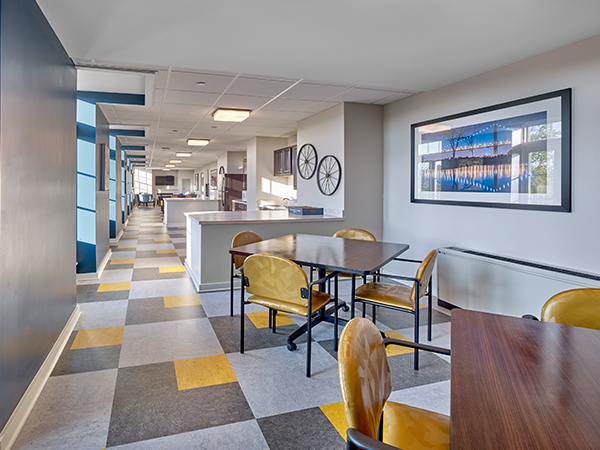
[
  {"x": 326, "y": 252},
  {"x": 523, "y": 384}
]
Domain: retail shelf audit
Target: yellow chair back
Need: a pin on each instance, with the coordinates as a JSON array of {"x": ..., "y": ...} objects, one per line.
[
  {"x": 424, "y": 273},
  {"x": 577, "y": 307},
  {"x": 354, "y": 233},
  {"x": 365, "y": 378},
  {"x": 243, "y": 238},
  {"x": 276, "y": 278}
]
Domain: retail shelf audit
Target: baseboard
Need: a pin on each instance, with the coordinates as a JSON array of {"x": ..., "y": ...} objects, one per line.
[
  {"x": 190, "y": 272},
  {"x": 95, "y": 276},
  {"x": 116, "y": 240},
  {"x": 17, "y": 419}
]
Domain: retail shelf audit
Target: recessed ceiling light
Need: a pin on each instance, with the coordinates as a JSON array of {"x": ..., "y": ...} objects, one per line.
[
  {"x": 201, "y": 83},
  {"x": 166, "y": 148},
  {"x": 183, "y": 154},
  {"x": 174, "y": 161},
  {"x": 169, "y": 165},
  {"x": 231, "y": 115},
  {"x": 166, "y": 170},
  {"x": 197, "y": 142},
  {"x": 174, "y": 131}
]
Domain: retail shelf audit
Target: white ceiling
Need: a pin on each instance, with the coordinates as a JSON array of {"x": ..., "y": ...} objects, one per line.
[{"x": 372, "y": 52}]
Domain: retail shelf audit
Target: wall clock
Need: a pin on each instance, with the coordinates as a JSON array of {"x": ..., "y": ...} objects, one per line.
[
  {"x": 307, "y": 161},
  {"x": 329, "y": 175}
]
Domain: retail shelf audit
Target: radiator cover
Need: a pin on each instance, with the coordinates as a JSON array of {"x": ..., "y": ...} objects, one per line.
[{"x": 503, "y": 285}]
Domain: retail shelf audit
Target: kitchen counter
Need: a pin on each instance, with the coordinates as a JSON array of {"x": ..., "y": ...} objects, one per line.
[
  {"x": 209, "y": 236},
  {"x": 248, "y": 217},
  {"x": 175, "y": 207}
]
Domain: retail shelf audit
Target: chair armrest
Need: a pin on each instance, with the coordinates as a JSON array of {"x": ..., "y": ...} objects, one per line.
[
  {"x": 358, "y": 440},
  {"x": 323, "y": 280},
  {"x": 408, "y": 260},
  {"x": 429, "y": 348},
  {"x": 398, "y": 277},
  {"x": 529, "y": 317}
]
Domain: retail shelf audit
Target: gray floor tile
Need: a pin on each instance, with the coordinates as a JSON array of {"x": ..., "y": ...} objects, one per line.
[
  {"x": 179, "y": 245},
  {"x": 102, "y": 314},
  {"x": 433, "y": 397},
  {"x": 432, "y": 369},
  {"x": 149, "y": 310},
  {"x": 88, "y": 293},
  {"x": 308, "y": 429},
  {"x": 169, "y": 260},
  {"x": 148, "y": 405},
  {"x": 156, "y": 246},
  {"x": 282, "y": 374},
  {"x": 153, "y": 273},
  {"x": 240, "y": 435},
  {"x": 116, "y": 275},
  {"x": 168, "y": 341},
  {"x": 161, "y": 288}
]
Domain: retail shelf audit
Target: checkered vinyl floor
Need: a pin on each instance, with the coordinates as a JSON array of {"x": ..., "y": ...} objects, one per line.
[{"x": 154, "y": 365}]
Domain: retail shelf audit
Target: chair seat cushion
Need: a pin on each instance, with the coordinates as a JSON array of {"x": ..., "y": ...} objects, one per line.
[
  {"x": 415, "y": 428},
  {"x": 318, "y": 300},
  {"x": 393, "y": 295}
]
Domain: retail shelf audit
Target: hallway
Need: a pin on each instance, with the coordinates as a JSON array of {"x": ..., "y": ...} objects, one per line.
[{"x": 153, "y": 365}]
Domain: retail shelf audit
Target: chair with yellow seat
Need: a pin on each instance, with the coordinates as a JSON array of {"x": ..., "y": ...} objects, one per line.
[
  {"x": 281, "y": 285},
  {"x": 356, "y": 234},
  {"x": 366, "y": 384},
  {"x": 400, "y": 297},
  {"x": 576, "y": 307},
  {"x": 237, "y": 261}
]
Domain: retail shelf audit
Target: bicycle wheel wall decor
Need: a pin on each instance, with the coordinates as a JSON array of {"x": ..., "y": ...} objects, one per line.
[
  {"x": 329, "y": 175},
  {"x": 307, "y": 161}
]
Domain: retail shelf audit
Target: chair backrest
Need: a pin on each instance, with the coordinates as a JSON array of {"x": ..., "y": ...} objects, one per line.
[
  {"x": 276, "y": 278},
  {"x": 424, "y": 273},
  {"x": 577, "y": 307},
  {"x": 243, "y": 238},
  {"x": 365, "y": 378},
  {"x": 354, "y": 233}
]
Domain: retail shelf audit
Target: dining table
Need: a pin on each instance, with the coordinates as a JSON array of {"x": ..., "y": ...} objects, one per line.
[
  {"x": 523, "y": 384},
  {"x": 356, "y": 257}
]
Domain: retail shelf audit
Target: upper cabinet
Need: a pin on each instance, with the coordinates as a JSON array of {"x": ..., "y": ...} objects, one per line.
[{"x": 283, "y": 161}]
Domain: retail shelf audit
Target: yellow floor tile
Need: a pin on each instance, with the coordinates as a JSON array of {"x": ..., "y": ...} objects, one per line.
[
  {"x": 206, "y": 371},
  {"x": 161, "y": 252},
  {"x": 261, "y": 319},
  {"x": 157, "y": 225},
  {"x": 173, "y": 301},
  {"x": 181, "y": 228},
  {"x": 162, "y": 240},
  {"x": 392, "y": 350},
  {"x": 158, "y": 232},
  {"x": 335, "y": 413},
  {"x": 171, "y": 269},
  {"x": 98, "y": 337},
  {"x": 110, "y": 287},
  {"x": 127, "y": 246},
  {"x": 121, "y": 261}
]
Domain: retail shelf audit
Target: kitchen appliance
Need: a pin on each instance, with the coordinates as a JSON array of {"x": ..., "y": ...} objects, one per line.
[{"x": 230, "y": 189}]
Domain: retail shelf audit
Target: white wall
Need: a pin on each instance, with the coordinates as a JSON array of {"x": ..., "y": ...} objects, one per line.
[
  {"x": 262, "y": 185},
  {"x": 206, "y": 170},
  {"x": 235, "y": 162},
  {"x": 563, "y": 239},
  {"x": 325, "y": 131},
  {"x": 185, "y": 174}
]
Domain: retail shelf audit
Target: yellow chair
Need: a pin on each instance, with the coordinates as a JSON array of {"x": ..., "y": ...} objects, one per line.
[
  {"x": 281, "y": 285},
  {"x": 576, "y": 307},
  {"x": 354, "y": 233},
  {"x": 366, "y": 384},
  {"x": 399, "y": 297},
  {"x": 237, "y": 261}
]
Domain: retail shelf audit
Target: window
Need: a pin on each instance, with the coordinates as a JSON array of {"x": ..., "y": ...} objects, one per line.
[{"x": 142, "y": 182}]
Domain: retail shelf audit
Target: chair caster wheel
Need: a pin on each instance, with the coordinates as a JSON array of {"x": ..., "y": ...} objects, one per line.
[
  {"x": 292, "y": 346},
  {"x": 345, "y": 308}
]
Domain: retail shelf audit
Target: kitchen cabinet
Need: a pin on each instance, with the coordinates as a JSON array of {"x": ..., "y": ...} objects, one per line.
[{"x": 283, "y": 161}]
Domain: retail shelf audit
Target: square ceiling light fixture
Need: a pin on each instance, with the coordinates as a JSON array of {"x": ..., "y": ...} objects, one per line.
[
  {"x": 166, "y": 170},
  {"x": 174, "y": 161},
  {"x": 169, "y": 165},
  {"x": 231, "y": 115},
  {"x": 183, "y": 154},
  {"x": 197, "y": 142}
]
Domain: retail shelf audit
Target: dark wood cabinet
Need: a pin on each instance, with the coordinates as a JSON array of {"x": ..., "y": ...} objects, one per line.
[{"x": 283, "y": 162}]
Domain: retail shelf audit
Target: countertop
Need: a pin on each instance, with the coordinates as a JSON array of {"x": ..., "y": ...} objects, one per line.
[
  {"x": 233, "y": 217},
  {"x": 190, "y": 199}
]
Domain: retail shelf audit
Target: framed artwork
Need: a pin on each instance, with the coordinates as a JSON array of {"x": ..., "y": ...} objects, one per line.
[
  {"x": 511, "y": 155},
  {"x": 213, "y": 179},
  {"x": 196, "y": 182}
]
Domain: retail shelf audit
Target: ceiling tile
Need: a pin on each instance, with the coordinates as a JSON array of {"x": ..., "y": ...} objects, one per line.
[
  {"x": 191, "y": 98},
  {"x": 393, "y": 98},
  {"x": 359, "y": 95},
  {"x": 281, "y": 104},
  {"x": 311, "y": 91},
  {"x": 241, "y": 102},
  {"x": 259, "y": 87},
  {"x": 187, "y": 81}
]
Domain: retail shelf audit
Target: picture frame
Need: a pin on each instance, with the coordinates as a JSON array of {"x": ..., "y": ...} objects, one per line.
[
  {"x": 213, "y": 179},
  {"x": 510, "y": 155},
  {"x": 196, "y": 182}
]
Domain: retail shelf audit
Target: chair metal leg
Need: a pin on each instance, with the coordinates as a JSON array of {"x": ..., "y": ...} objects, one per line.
[
  {"x": 352, "y": 300},
  {"x": 231, "y": 289},
  {"x": 429, "y": 311},
  {"x": 374, "y": 314},
  {"x": 242, "y": 316},
  {"x": 274, "y": 319},
  {"x": 335, "y": 322},
  {"x": 416, "y": 340},
  {"x": 309, "y": 337}
]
